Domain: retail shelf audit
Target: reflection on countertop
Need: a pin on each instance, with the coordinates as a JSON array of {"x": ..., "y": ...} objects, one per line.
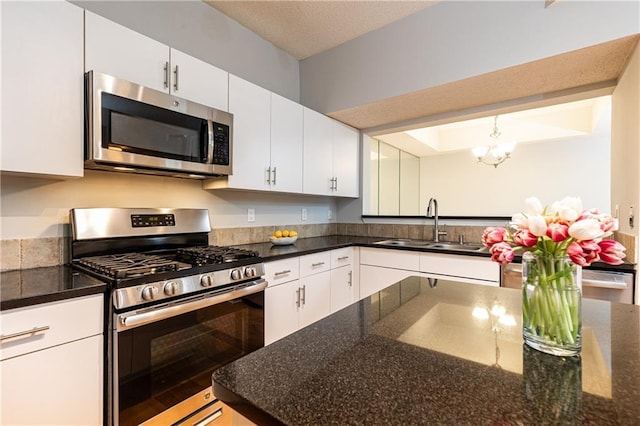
[{"x": 416, "y": 354}]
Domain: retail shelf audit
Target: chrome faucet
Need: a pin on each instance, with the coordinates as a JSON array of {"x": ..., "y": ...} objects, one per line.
[{"x": 436, "y": 232}]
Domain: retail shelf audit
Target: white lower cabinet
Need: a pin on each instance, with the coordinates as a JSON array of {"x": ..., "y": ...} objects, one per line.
[
  {"x": 468, "y": 269},
  {"x": 53, "y": 374},
  {"x": 379, "y": 268},
  {"x": 303, "y": 290}
]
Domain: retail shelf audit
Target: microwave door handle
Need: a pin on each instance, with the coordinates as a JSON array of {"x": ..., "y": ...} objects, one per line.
[{"x": 210, "y": 142}]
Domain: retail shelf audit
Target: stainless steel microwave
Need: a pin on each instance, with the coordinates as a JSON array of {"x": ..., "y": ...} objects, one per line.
[{"x": 132, "y": 128}]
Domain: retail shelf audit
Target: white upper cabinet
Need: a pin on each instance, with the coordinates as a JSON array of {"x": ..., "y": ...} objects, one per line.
[
  {"x": 267, "y": 140},
  {"x": 113, "y": 49},
  {"x": 331, "y": 164},
  {"x": 318, "y": 153},
  {"x": 345, "y": 160},
  {"x": 286, "y": 145},
  {"x": 42, "y": 89},
  {"x": 251, "y": 109}
]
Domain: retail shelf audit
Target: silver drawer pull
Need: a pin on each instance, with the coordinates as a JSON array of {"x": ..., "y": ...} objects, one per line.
[
  {"x": 317, "y": 264},
  {"x": 343, "y": 258},
  {"x": 27, "y": 333},
  {"x": 286, "y": 271},
  {"x": 210, "y": 419}
]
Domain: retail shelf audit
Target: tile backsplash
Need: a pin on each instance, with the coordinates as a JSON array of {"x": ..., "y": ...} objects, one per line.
[{"x": 40, "y": 252}]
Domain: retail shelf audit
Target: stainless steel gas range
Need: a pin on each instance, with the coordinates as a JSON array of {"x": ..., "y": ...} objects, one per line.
[{"x": 178, "y": 310}]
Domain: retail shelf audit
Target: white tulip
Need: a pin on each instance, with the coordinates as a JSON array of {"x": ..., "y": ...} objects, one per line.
[
  {"x": 586, "y": 229},
  {"x": 519, "y": 221},
  {"x": 533, "y": 206},
  {"x": 537, "y": 225},
  {"x": 570, "y": 208}
]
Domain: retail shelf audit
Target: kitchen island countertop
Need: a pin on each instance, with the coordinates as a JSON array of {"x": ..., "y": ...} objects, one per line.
[{"x": 420, "y": 354}]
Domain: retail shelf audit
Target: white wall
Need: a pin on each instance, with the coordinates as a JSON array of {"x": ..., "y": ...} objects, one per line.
[
  {"x": 454, "y": 40},
  {"x": 201, "y": 31},
  {"x": 625, "y": 144},
  {"x": 577, "y": 166},
  {"x": 39, "y": 208}
]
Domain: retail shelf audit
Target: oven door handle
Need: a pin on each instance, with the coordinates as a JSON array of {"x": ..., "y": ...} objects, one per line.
[{"x": 135, "y": 319}]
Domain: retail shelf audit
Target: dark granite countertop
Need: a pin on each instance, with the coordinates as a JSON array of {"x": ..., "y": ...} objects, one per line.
[
  {"x": 26, "y": 287},
  {"x": 413, "y": 354},
  {"x": 302, "y": 246}
]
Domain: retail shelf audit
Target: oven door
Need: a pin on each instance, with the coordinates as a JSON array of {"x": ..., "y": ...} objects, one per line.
[{"x": 164, "y": 356}]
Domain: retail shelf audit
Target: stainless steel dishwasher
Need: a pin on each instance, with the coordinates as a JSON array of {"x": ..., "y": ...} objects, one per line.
[{"x": 613, "y": 286}]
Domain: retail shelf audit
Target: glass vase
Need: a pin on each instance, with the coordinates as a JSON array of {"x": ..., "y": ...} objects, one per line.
[{"x": 552, "y": 304}]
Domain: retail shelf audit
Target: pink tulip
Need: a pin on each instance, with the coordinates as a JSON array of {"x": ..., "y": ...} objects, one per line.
[
  {"x": 525, "y": 238},
  {"x": 583, "y": 253},
  {"x": 502, "y": 253},
  {"x": 612, "y": 252},
  {"x": 557, "y": 232},
  {"x": 493, "y": 235},
  {"x": 608, "y": 224}
]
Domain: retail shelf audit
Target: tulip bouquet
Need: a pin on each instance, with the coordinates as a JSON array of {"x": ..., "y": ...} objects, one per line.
[{"x": 555, "y": 240}]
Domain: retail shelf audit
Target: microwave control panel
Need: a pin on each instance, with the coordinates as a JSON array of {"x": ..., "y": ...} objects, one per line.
[{"x": 221, "y": 144}]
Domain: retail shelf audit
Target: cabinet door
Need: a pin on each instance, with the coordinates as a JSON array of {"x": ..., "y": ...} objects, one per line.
[
  {"x": 318, "y": 153},
  {"x": 342, "y": 289},
  {"x": 113, "y": 49},
  {"x": 42, "y": 88},
  {"x": 286, "y": 144},
  {"x": 316, "y": 298},
  {"x": 61, "y": 385},
  {"x": 199, "y": 81},
  {"x": 251, "y": 109},
  {"x": 280, "y": 311},
  {"x": 346, "y": 160}
]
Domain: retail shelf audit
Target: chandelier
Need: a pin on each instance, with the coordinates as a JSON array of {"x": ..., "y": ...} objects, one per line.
[{"x": 496, "y": 153}]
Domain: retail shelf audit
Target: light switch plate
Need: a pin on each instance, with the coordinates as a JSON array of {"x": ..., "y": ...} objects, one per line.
[
  {"x": 304, "y": 214},
  {"x": 251, "y": 215},
  {"x": 329, "y": 214}
]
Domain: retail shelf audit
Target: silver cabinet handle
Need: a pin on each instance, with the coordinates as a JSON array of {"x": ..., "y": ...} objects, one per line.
[
  {"x": 586, "y": 282},
  {"x": 313, "y": 265},
  {"x": 303, "y": 294},
  {"x": 175, "y": 81},
  {"x": 166, "y": 75},
  {"x": 208, "y": 420},
  {"x": 350, "y": 278},
  {"x": 336, "y": 188},
  {"x": 343, "y": 258},
  {"x": 274, "y": 176},
  {"x": 268, "y": 173},
  {"x": 298, "y": 297},
  {"x": 27, "y": 333},
  {"x": 286, "y": 271}
]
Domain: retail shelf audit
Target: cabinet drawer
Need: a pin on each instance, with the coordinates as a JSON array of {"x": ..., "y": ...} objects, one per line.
[
  {"x": 396, "y": 259},
  {"x": 282, "y": 271},
  {"x": 341, "y": 257},
  {"x": 479, "y": 268},
  {"x": 59, "y": 322},
  {"x": 315, "y": 263}
]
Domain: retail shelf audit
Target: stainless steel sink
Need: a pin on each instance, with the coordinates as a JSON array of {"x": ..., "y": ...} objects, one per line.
[{"x": 403, "y": 242}]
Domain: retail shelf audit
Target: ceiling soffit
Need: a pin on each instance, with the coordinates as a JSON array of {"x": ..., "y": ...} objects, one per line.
[{"x": 602, "y": 63}]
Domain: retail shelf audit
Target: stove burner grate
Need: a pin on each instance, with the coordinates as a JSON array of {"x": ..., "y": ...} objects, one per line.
[
  {"x": 130, "y": 265},
  {"x": 208, "y": 255}
]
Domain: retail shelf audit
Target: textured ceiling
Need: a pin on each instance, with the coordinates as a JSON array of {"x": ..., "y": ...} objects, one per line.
[{"x": 305, "y": 28}]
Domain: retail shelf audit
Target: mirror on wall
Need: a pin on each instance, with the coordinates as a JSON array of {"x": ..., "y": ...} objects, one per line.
[
  {"x": 559, "y": 150},
  {"x": 394, "y": 181}
]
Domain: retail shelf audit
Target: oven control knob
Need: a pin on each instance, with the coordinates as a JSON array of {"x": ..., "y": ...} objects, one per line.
[
  {"x": 250, "y": 271},
  {"x": 206, "y": 281},
  {"x": 236, "y": 274},
  {"x": 149, "y": 292},
  {"x": 171, "y": 288}
]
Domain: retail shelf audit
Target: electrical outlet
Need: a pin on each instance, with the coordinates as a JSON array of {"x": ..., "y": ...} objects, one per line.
[
  {"x": 329, "y": 214},
  {"x": 304, "y": 214},
  {"x": 251, "y": 215}
]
